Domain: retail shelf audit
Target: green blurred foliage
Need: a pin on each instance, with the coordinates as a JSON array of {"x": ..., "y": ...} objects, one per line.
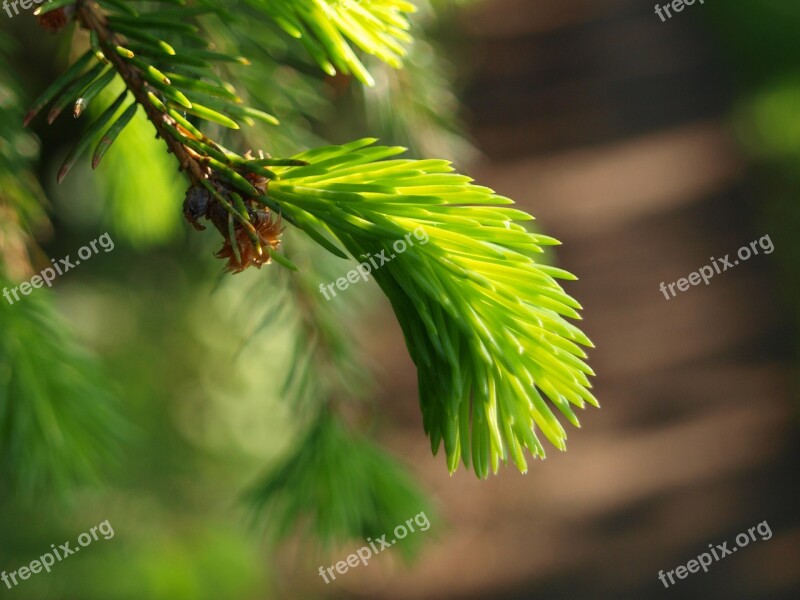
[
  {"x": 769, "y": 121},
  {"x": 761, "y": 43},
  {"x": 137, "y": 209},
  {"x": 58, "y": 421},
  {"x": 341, "y": 486}
]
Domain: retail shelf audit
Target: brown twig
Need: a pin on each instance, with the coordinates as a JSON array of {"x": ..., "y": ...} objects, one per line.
[{"x": 91, "y": 18}]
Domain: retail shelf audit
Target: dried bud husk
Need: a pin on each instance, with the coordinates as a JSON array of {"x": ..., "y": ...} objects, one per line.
[{"x": 55, "y": 20}]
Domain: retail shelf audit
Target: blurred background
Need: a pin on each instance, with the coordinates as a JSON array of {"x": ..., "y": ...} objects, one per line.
[{"x": 645, "y": 146}]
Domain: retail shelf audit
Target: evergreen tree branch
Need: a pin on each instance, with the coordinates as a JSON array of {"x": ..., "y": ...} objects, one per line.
[
  {"x": 484, "y": 321},
  {"x": 95, "y": 21},
  {"x": 224, "y": 184}
]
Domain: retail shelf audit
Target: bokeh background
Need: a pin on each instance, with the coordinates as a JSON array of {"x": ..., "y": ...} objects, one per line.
[{"x": 646, "y": 147}]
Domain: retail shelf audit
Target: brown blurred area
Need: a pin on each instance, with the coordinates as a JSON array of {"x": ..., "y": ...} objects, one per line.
[{"x": 611, "y": 128}]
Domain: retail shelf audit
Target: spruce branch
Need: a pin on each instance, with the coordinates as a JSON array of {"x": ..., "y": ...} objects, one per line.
[
  {"x": 94, "y": 20},
  {"x": 227, "y": 188},
  {"x": 224, "y": 185},
  {"x": 484, "y": 320}
]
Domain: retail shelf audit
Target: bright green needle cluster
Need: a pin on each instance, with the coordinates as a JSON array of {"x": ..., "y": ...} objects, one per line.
[
  {"x": 377, "y": 27},
  {"x": 484, "y": 321}
]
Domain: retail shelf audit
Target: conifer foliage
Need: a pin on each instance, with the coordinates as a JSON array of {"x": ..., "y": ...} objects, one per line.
[{"x": 485, "y": 320}]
